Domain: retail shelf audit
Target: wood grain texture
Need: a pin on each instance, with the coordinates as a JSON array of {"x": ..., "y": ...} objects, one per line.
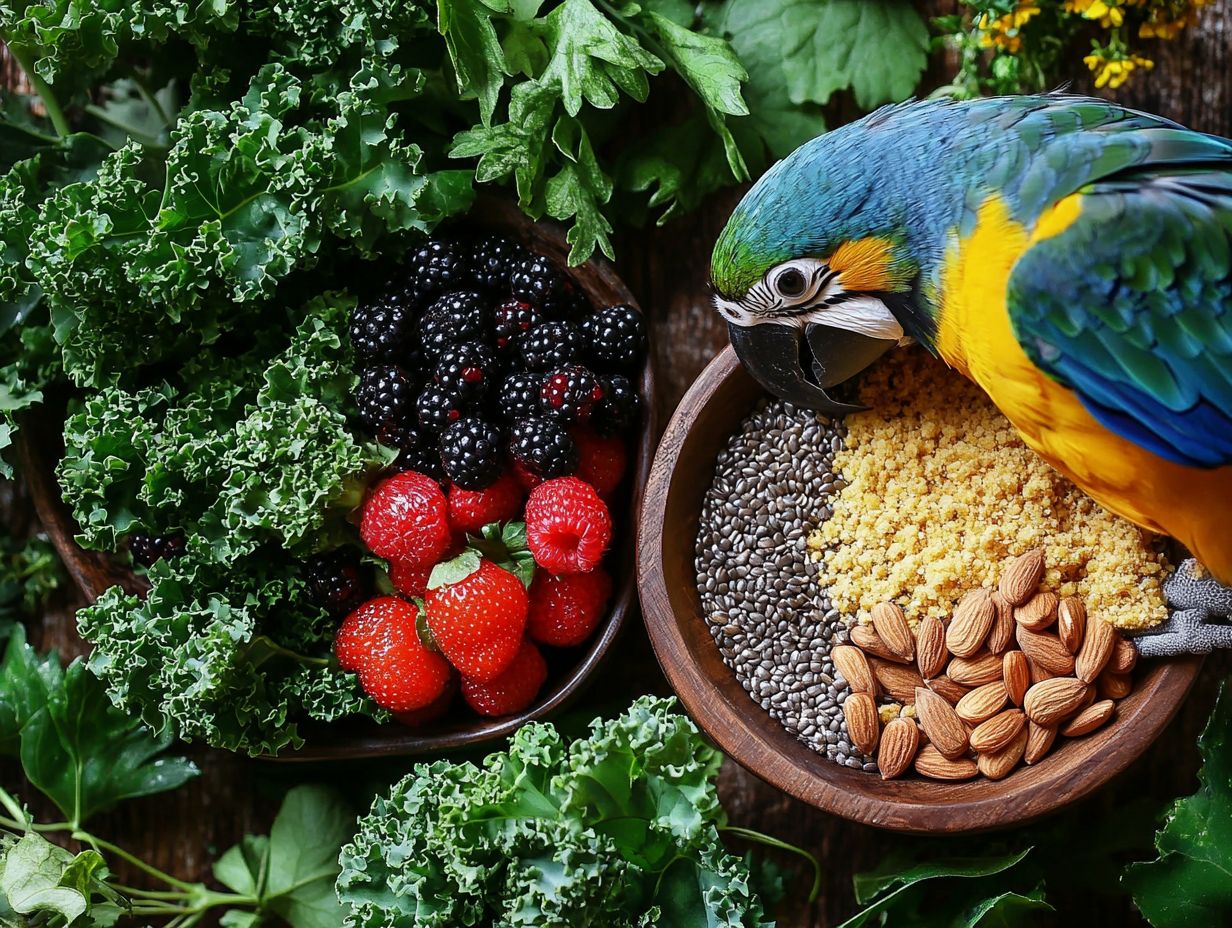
[{"x": 666, "y": 269}]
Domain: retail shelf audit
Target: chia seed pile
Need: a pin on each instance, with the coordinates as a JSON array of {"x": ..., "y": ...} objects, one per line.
[{"x": 773, "y": 623}]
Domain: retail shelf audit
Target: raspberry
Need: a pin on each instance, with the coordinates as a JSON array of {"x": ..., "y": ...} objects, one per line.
[
  {"x": 380, "y": 642},
  {"x": 434, "y": 267},
  {"x": 437, "y": 409},
  {"x": 601, "y": 460},
  {"x": 615, "y": 338},
  {"x": 405, "y": 518},
  {"x": 528, "y": 480},
  {"x": 465, "y": 371},
  {"x": 619, "y": 409},
  {"x": 385, "y": 395},
  {"x": 565, "y": 610},
  {"x": 543, "y": 447},
  {"x": 570, "y": 394},
  {"x": 477, "y": 620},
  {"x": 383, "y": 331},
  {"x": 456, "y": 317},
  {"x": 416, "y": 449},
  {"x": 472, "y": 453},
  {"x": 511, "y": 321},
  {"x": 518, "y": 396},
  {"x": 471, "y": 510},
  {"x": 513, "y": 690},
  {"x": 146, "y": 549},
  {"x": 534, "y": 280},
  {"x": 410, "y": 579},
  {"x": 551, "y": 345},
  {"x": 568, "y": 527},
  {"x": 491, "y": 260},
  {"x": 336, "y": 581}
]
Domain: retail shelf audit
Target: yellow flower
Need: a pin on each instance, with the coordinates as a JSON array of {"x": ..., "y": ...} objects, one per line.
[
  {"x": 1109, "y": 12},
  {"x": 1113, "y": 72},
  {"x": 1003, "y": 31}
]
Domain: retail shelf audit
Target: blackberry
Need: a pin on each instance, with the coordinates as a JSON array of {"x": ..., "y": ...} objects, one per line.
[
  {"x": 491, "y": 261},
  {"x": 438, "y": 408},
  {"x": 615, "y": 338},
  {"x": 543, "y": 447},
  {"x": 552, "y": 345},
  {"x": 436, "y": 266},
  {"x": 472, "y": 453},
  {"x": 518, "y": 396},
  {"x": 465, "y": 370},
  {"x": 512, "y": 320},
  {"x": 535, "y": 280},
  {"x": 569, "y": 302},
  {"x": 416, "y": 449},
  {"x": 460, "y": 316},
  {"x": 336, "y": 581},
  {"x": 146, "y": 549},
  {"x": 570, "y": 394},
  {"x": 620, "y": 407},
  {"x": 385, "y": 395},
  {"x": 383, "y": 330}
]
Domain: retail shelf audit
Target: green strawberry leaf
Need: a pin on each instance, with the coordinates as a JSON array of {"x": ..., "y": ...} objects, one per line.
[
  {"x": 448, "y": 573},
  {"x": 505, "y": 545}
]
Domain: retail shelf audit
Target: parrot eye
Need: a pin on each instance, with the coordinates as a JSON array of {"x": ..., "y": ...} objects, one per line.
[{"x": 790, "y": 283}]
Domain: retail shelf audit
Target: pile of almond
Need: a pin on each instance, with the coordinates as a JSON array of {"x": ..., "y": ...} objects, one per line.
[{"x": 1013, "y": 668}]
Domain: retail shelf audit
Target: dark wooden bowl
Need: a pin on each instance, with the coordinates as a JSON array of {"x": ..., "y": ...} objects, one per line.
[
  {"x": 39, "y": 447},
  {"x": 684, "y": 464}
]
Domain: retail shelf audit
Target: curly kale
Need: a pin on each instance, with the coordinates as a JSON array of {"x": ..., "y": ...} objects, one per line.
[{"x": 620, "y": 829}]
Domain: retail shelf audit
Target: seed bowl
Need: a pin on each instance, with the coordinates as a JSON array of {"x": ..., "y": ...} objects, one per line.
[
  {"x": 710, "y": 412},
  {"x": 40, "y": 447}
]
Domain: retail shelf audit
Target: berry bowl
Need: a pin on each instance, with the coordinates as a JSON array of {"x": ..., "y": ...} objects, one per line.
[
  {"x": 689, "y": 651},
  {"x": 568, "y": 667}
]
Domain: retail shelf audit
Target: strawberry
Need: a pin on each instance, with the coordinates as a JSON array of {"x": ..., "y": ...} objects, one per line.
[
  {"x": 405, "y": 518},
  {"x": 568, "y": 527},
  {"x": 380, "y": 642},
  {"x": 511, "y": 691},
  {"x": 471, "y": 510},
  {"x": 601, "y": 461},
  {"x": 565, "y": 610},
  {"x": 477, "y": 613},
  {"x": 409, "y": 579},
  {"x": 435, "y": 709}
]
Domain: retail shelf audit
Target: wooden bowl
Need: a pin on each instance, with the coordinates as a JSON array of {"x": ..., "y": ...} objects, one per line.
[
  {"x": 708, "y": 415},
  {"x": 40, "y": 446}
]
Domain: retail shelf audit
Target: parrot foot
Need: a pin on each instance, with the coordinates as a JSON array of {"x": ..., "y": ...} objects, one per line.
[{"x": 1202, "y": 608}]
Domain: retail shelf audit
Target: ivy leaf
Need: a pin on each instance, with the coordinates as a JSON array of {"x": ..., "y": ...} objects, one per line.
[
  {"x": 474, "y": 48},
  {"x": 44, "y": 881},
  {"x": 1191, "y": 881},
  {"x": 448, "y": 573}
]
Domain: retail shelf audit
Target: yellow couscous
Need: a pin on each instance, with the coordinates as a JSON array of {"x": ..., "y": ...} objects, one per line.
[{"x": 941, "y": 493}]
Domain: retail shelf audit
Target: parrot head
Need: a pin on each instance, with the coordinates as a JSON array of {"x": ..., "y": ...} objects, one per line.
[{"x": 814, "y": 264}]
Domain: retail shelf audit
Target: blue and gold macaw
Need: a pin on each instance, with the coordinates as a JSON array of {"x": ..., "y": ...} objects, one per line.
[{"x": 1070, "y": 256}]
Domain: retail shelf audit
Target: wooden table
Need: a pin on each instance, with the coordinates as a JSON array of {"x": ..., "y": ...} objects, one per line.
[{"x": 181, "y": 831}]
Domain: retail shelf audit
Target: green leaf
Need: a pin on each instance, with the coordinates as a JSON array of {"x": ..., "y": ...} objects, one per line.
[
  {"x": 244, "y": 866},
  {"x": 1007, "y": 910},
  {"x": 1191, "y": 881},
  {"x": 26, "y": 683},
  {"x": 474, "y": 49},
  {"x": 44, "y": 881},
  {"x": 448, "y": 573},
  {"x": 87, "y": 755},
  {"x": 707, "y": 64}
]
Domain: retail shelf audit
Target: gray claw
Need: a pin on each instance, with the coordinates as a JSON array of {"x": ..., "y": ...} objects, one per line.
[
  {"x": 1197, "y": 625},
  {"x": 1190, "y": 587}
]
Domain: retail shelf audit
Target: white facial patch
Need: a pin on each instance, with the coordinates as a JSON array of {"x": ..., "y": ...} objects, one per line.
[{"x": 864, "y": 314}]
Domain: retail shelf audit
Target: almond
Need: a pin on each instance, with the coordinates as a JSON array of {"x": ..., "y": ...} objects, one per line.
[
  {"x": 1001, "y": 763},
  {"x": 866, "y": 639},
  {"x": 947, "y": 689},
  {"x": 852, "y": 666},
  {"x": 1089, "y": 719},
  {"x": 1051, "y": 701},
  {"x": 1114, "y": 685},
  {"x": 1046, "y": 650},
  {"x": 1096, "y": 650},
  {"x": 1086, "y": 700},
  {"x": 1001, "y": 636},
  {"x": 941, "y": 723},
  {"x": 891, "y": 627},
  {"x": 1038, "y": 673},
  {"x": 900, "y": 742},
  {"x": 1038, "y": 612},
  {"x": 974, "y": 671},
  {"x": 971, "y": 623},
  {"x": 1016, "y": 674},
  {"x": 1039, "y": 741},
  {"x": 863, "y": 723},
  {"x": 930, "y": 650},
  {"x": 1022, "y": 577},
  {"x": 1071, "y": 623},
  {"x": 982, "y": 703},
  {"x": 995, "y": 734},
  {"x": 897, "y": 680},
  {"x": 1124, "y": 656},
  {"x": 933, "y": 764}
]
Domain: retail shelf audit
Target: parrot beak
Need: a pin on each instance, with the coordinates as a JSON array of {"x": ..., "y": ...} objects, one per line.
[{"x": 771, "y": 355}]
